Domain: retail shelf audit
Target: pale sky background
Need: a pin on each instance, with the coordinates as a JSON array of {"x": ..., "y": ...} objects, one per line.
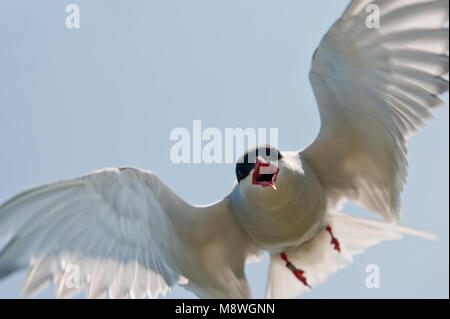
[{"x": 109, "y": 94}]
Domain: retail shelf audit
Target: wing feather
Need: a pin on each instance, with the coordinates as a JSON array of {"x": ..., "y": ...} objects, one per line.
[
  {"x": 375, "y": 88},
  {"x": 119, "y": 232}
]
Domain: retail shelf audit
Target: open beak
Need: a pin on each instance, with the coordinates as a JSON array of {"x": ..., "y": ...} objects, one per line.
[{"x": 265, "y": 173}]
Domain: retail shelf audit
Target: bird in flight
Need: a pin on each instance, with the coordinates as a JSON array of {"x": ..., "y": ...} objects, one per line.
[{"x": 130, "y": 235}]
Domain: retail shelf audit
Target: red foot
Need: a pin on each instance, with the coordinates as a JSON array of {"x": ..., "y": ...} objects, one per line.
[
  {"x": 297, "y": 272},
  {"x": 334, "y": 241}
]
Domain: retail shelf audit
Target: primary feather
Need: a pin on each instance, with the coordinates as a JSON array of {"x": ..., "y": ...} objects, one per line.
[
  {"x": 375, "y": 87},
  {"x": 126, "y": 234}
]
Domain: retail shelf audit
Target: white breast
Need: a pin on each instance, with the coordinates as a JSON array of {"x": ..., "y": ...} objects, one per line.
[{"x": 286, "y": 217}]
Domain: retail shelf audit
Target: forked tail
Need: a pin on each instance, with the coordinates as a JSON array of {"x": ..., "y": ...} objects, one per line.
[{"x": 319, "y": 257}]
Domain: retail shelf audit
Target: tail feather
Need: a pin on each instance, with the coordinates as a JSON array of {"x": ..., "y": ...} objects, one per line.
[{"x": 318, "y": 259}]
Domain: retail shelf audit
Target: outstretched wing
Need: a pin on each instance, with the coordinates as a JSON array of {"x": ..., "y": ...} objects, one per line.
[
  {"x": 121, "y": 232},
  {"x": 318, "y": 259},
  {"x": 375, "y": 87}
]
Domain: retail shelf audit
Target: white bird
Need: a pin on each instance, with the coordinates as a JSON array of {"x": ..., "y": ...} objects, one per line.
[{"x": 127, "y": 234}]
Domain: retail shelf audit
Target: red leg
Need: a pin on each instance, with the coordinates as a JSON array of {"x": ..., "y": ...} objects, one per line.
[
  {"x": 297, "y": 272},
  {"x": 334, "y": 240}
]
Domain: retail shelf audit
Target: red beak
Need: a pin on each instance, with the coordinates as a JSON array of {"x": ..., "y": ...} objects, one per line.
[{"x": 265, "y": 173}]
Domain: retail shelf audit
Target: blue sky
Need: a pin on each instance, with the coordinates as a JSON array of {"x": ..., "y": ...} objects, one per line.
[{"x": 110, "y": 93}]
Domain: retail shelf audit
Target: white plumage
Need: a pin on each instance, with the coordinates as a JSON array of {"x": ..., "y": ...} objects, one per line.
[{"x": 375, "y": 88}]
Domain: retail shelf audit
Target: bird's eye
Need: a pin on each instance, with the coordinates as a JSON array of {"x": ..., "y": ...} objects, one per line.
[{"x": 243, "y": 170}]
